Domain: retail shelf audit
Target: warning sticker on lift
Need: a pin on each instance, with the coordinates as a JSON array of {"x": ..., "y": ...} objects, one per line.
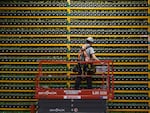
[
  {"x": 72, "y": 92},
  {"x": 72, "y": 97}
]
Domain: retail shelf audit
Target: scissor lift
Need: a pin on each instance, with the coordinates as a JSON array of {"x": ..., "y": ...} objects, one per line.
[{"x": 51, "y": 100}]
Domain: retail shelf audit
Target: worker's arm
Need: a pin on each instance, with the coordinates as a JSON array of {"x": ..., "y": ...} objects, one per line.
[
  {"x": 94, "y": 57},
  {"x": 79, "y": 55},
  {"x": 82, "y": 51}
]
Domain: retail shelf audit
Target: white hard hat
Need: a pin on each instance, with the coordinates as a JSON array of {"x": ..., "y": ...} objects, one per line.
[{"x": 90, "y": 39}]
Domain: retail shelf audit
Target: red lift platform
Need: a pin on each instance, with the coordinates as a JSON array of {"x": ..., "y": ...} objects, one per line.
[{"x": 104, "y": 69}]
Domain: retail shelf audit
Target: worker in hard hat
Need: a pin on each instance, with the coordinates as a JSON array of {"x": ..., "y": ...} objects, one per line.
[{"x": 86, "y": 53}]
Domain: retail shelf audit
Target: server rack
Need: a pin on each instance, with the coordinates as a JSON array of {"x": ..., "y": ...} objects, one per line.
[{"x": 32, "y": 31}]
